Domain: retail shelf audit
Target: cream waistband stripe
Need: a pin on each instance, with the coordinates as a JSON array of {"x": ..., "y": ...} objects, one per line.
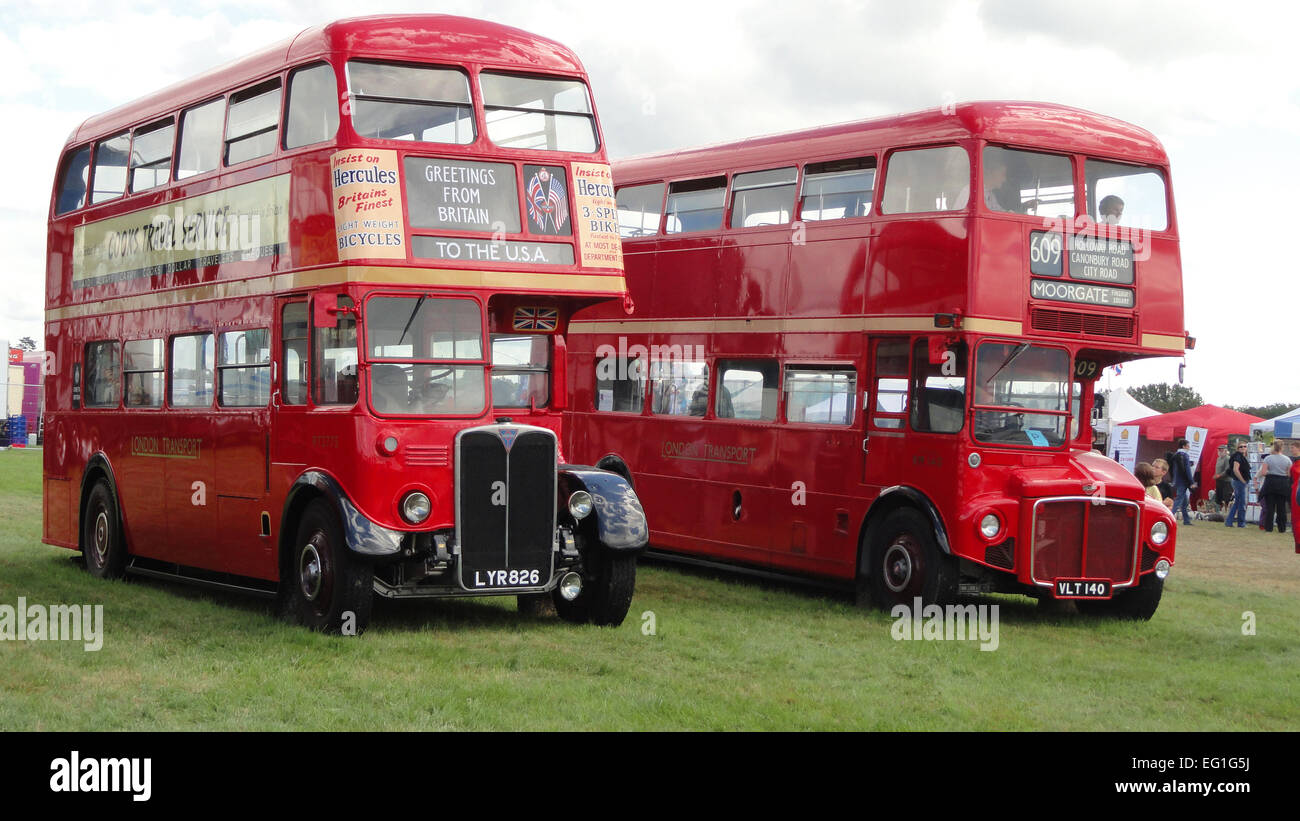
[{"x": 611, "y": 284}]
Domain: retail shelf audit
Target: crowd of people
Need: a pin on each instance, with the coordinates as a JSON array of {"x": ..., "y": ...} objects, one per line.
[{"x": 1173, "y": 481}]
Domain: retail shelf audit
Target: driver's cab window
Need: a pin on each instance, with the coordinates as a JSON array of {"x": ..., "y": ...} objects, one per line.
[
  {"x": 1022, "y": 395},
  {"x": 426, "y": 355}
]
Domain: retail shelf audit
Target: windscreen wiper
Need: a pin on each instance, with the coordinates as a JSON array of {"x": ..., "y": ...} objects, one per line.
[
  {"x": 414, "y": 311},
  {"x": 1012, "y": 357}
]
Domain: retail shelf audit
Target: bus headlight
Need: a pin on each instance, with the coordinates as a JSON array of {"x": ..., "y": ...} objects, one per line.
[
  {"x": 1162, "y": 568},
  {"x": 580, "y": 504},
  {"x": 1159, "y": 533},
  {"x": 990, "y": 526},
  {"x": 416, "y": 507}
]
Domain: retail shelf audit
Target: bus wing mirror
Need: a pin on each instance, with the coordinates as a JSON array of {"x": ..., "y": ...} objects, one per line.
[{"x": 325, "y": 309}]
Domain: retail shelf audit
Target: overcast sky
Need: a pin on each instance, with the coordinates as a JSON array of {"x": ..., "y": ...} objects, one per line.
[{"x": 1216, "y": 82}]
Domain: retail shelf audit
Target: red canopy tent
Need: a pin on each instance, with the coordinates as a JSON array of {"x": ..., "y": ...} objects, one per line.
[{"x": 1166, "y": 428}]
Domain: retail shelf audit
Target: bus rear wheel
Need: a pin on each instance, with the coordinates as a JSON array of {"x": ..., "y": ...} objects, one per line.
[
  {"x": 102, "y": 544},
  {"x": 607, "y": 590},
  {"x": 906, "y": 563},
  {"x": 325, "y": 587}
]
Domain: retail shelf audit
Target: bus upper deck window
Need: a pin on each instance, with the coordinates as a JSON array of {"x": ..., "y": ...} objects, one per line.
[
  {"x": 1028, "y": 182},
  {"x": 72, "y": 181},
  {"x": 151, "y": 156},
  {"x": 1128, "y": 195},
  {"x": 538, "y": 112},
  {"x": 313, "y": 106},
  {"x": 639, "y": 209},
  {"x": 253, "y": 123},
  {"x": 696, "y": 205},
  {"x": 924, "y": 180},
  {"x": 762, "y": 198},
  {"x": 109, "y": 180},
  {"x": 838, "y": 190},
  {"x": 420, "y": 103},
  {"x": 200, "y": 149}
]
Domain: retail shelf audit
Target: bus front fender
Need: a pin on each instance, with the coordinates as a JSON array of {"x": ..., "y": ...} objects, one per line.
[
  {"x": 363, "y": 537},
  {"x": 902, "y": 495},
  {"x": 620, "y": 521}
]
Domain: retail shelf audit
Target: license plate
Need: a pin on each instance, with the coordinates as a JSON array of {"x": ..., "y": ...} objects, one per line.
[
  {"x": 498, "y": 579},
  {"x": 1082, "y": 589}
]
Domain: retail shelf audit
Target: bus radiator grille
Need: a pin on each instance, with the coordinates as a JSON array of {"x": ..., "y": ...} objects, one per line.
[
  {"x": 505, "y": 517},
  {"x": 1061, "y": 552}
]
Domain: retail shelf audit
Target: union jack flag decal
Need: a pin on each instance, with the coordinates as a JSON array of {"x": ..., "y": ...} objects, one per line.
[
  {"x": 536, "y": 319},
  {"x": 548, "y": 204}
]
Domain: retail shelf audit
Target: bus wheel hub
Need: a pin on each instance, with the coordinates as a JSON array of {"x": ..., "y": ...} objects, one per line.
[
  {"x": 101, "y": 537},
  {"x": 899, "y": 565},
  {"x": 309, "y": 572}
]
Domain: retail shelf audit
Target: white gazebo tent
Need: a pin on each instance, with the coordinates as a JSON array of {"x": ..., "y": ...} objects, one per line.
[{"x": 1290, "y": 421}]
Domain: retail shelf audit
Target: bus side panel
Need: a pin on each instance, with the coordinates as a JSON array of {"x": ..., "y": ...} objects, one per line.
[{"x": 828, "y": 272}]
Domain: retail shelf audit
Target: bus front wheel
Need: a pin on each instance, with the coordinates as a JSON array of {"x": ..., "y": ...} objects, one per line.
[
  {"x": 326, "y": 588},
  {"x": 1138, "y": 604},
  {"x": 102, "y": 544},
  {"x": 906, "y": 563},
  {"x": 606, "y": 595}
]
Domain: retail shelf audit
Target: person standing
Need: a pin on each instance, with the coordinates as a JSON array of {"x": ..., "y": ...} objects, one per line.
[
  {"x": 1239, "y": 473},
  {"x": 1146, "y": 474},
  {"x": 1295, "y": 491},
  {"x": 1161, "y": 468},
  {"x": 1222, "y": 481},
  {"x": 1275, "y": 493},
  {"x": 1184, "y": 482}
]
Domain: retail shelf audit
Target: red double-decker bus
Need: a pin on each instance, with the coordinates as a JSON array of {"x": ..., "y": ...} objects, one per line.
[
  {"x": 308, "y": 315},
  {"x": 843, "y": 365}
]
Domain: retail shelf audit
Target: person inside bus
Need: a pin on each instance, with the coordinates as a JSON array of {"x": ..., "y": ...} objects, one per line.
[
  {"x": 1001, "y": 186},
  {"x": 388, "y": 384},
  {"x": 1110, "y": 210}
]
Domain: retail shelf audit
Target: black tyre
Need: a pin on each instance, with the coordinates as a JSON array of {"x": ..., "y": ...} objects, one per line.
[
  {"x": 102, "y": 543},
  {"x": 607, "y": 586},
  {"x": 906, "y": 562},
  {"x": 324, "y": 587},
  {"x": 536, "y": 605},
  {"x": 1137, "y": 604}
]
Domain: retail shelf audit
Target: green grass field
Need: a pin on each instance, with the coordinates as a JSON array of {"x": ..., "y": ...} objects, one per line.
[{"x": 728, "y": 654}]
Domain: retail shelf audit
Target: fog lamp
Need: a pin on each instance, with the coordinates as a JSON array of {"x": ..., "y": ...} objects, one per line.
[
  {"x": 570, "y": 586},
  {"x": 416, "y": 507},
  {"x": 580, "y": 504},
  {"x": 990, "y": 526},
  {"x": 1162, "y": 568}
]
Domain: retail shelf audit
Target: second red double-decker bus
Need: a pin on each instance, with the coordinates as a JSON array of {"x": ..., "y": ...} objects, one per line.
[
  {"x": 844, "y": 364},
  {"x": 308, "y": 315}
]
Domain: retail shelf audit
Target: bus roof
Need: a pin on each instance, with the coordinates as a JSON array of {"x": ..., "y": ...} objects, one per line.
[
  {"x": 1040, "y": 125},
  {"x": 402, "y": 36}
]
